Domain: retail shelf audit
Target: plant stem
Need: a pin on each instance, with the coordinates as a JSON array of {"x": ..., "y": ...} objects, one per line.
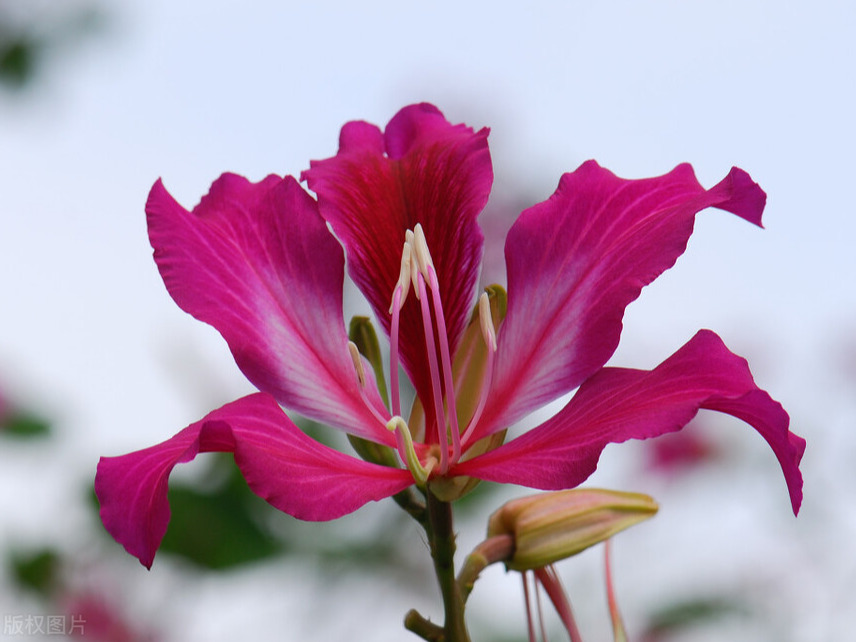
[{"x": 442, "y": 540}]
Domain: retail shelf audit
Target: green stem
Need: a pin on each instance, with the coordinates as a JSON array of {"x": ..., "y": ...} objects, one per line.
[
  {"x": 411, "y": 504},
  {"x": 425, "y": 629},
  {"x": 442, "y": 541}
]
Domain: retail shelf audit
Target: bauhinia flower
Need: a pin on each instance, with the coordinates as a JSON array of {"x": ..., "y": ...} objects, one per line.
[{"x": 264, "y": 264}]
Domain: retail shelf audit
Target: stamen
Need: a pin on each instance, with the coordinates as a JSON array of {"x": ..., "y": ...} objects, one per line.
[
  {"x": 420, "y": 249},
  {"x": 430, "y": 348},
  {"x": 486, "y": 321},
  {"x": 530, "y": 625},
  {"x": 403, "y": 285},
  {"x": 361, "y": 378},
  {"x": 555, "y": 591},
  {"x": 446, "y": 361},
  {"x": 404, "y": 441},
  {"x": 426, "y": 267},
  {"x": 358, "y": 363},
  {"x": 540, "y": 614},
  {"x": 414, "y": 263},
  {"x": 398, "y": 297},
  {"x": 615, "y": 615},
  {"x": 489, "y": 334}
]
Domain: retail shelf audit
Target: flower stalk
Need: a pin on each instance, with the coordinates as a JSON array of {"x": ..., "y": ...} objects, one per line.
[{"x": 442, "y": 541}]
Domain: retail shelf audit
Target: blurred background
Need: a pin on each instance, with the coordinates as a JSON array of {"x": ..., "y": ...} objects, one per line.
[{"x": 98, "y": 99}]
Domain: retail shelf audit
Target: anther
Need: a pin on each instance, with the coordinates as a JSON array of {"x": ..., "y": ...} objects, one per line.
[
  {"x": 361, "y": 377},
  {"x": 402, "y": 287},
  {"x": 486, "y": 322},
  {"x": 358, "y": 363},
  {"x": 420, "y": 249},
  {"x": 414, "y": 262}
]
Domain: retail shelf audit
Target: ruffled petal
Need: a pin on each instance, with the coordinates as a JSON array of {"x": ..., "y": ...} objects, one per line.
[
  {"x": 281, "y": 464},
  {"x": 618, "y": 404},
  {"x": 256, "y": 261},
  {"x": 578, "y": 259},
  {"x": 420, "y": 170}
]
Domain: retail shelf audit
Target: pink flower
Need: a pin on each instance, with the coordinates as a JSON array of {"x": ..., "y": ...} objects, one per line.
[{"x": 258, "y": 262}]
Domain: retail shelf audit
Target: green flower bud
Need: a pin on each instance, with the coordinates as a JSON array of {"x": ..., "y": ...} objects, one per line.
[{"x": 549, "y": 527}]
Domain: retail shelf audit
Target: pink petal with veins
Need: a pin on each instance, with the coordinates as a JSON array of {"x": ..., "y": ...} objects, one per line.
[
  {"x": 618, "y": 404},
  {"x": 577, "y": 260},
  {"x": 422, "y": 170},
  {"x": 281, "y": 464},
  {"x": 256, "y": 261}
]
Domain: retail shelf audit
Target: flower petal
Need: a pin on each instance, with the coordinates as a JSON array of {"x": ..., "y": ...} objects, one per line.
[
  {"x": 432, "y": 173},
  {"x": 281, "y": 464},
  {"x": 256, "y": 261},
  {"x": 618, "y": 404},
  {"x": 578, "y": 259}
]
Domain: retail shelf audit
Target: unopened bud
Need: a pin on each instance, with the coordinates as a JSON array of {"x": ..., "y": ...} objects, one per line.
[{"x": 549, "y": 527}]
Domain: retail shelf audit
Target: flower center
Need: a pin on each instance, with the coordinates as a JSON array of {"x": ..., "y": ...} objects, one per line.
[{"x": 418, "y": 271}]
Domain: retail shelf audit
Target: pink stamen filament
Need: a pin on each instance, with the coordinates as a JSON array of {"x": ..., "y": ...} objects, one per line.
[
  {"x": 529, "y": 624},
  {"x": 395, "y": 396},
  {"x": 446, "y": 359},
  {"x": 540, "y": 614},
  {"x": 371, "y": 407},
  {"x": 361, "y": 382},
  {"x": 482, "y": 396},
  {"x": 489, "y": 334},
  {"x": 431, "y": 349},
  {"x": 617, "y": 623},
  {"x": 551, "y": 583}
]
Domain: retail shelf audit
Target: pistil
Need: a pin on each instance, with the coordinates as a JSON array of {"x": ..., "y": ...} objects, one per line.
[{"x": 408, "y": 453}]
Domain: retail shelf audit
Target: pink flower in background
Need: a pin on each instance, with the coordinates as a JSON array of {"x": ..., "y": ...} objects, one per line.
[
  {"x": 679, "y": 452},
  {"x": 259, "y": 263},
  {"x": 91, "y": 616}
]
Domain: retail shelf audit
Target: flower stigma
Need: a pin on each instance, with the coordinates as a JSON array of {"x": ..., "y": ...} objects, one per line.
[{"x": 408, "y": 452}]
